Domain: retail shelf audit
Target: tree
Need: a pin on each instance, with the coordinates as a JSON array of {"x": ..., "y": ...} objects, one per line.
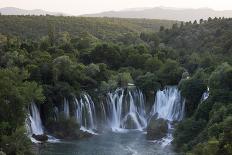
[
  {"x": 220, "y": 83},
  {"x": 161, "y": 28},
  {"x": 192, "y": 90},
  {"x": 51, "y": 33},
  {"x": 15, "y": 95},
  {"x": 108, "y": 54},
  {"x": 148, "y": 82},
  {"x": 170, "y": 73},
  {"x": 153, "y": 64}
]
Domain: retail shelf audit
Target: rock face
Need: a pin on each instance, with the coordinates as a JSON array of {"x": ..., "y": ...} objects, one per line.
[
  {"x": 157, "y": 128},
  {"x": 41, "y": 138}
]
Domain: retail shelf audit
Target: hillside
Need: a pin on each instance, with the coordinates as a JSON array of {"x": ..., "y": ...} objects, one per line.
[
  {"x": 165, "y": 13},
  {"x": 102, "y": 28}
]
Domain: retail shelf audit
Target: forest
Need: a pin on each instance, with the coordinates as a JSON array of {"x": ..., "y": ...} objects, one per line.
[{"x": 44, "y": 59}]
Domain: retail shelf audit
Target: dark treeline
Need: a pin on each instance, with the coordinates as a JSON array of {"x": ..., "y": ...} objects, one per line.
[{"x": 46, "y": 62}]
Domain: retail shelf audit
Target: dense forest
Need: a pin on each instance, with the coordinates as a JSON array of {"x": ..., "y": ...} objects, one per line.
[
  {"x": 44, "y": 59},
  {"x": 113, "y": 29}
]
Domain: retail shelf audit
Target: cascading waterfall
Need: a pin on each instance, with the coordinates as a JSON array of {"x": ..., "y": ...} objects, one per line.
[
  {"x": 66, "y": 108},
  {"x": 85, "y": 113},
  {"x": 170, "y": 106},
  {"x": 125, "y": 112},
  {"x": 34, "y": 123},
  {"x": 124, "y": 109},
  {"x": 205, "y": 95}
]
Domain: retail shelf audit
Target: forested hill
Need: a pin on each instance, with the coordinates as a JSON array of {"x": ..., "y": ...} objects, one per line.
[
  {"x": 102, "y": 28},
  {"x": 208, "y": 39}
]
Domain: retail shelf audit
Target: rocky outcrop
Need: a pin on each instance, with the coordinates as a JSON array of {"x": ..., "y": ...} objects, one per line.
[
  {"x": 67, "y": 129},
  {"x": 41, "y": 138},
  {"x": 157, "y": 128}
]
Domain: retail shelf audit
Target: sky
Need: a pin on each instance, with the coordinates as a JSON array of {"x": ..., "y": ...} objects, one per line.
[{"x": 77, "y": 7}]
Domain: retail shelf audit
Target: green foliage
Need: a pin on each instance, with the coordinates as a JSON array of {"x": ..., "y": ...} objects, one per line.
[
  {"x": 214, "y": 136},
  {"x": 186, "y": 132},
  {"x": 192, "y": 89},
  {"x": 64, "y": 128},
  {"x": 148, "y": 82},
  {"x": 15, "y": 95},
  {"x": 108, "y": 54},
  {"x": 113, "y": 29},
  {"x": 153, "y": 64},
  {"x": 170, "y": 73},
  {"x": 220, "y": 83},
  {"x": 16, "y": 143}
]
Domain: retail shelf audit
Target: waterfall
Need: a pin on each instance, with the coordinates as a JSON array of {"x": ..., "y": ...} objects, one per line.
[
  {"x": 126, "y": 110},
  {"x": 66, "y": 108},
  {"x": 85, "y": 112},
  {"x": 169, "y": 104},
  {"x": 205, "y": 95},
  {"x": 34, "y": 123}
]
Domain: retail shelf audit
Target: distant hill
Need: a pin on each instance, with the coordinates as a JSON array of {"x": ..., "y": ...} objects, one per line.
[
  {"x": 165, "y": 13},
  {"x": 17, "y": 11}
]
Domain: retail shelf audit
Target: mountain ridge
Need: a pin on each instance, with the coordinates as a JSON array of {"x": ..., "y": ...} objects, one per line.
[
  {"x": 161, "y": 12},
  {"x": 180, "y": 14},
  {"x": 18, "y": 11}
]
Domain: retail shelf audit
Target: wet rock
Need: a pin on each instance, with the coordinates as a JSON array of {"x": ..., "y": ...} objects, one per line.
[
  {"x": 84, "y": 134},
  {"x": 41, "y": 138},
  {"x": 130, "y": 123},
  {"x": 157, "y": 128}
]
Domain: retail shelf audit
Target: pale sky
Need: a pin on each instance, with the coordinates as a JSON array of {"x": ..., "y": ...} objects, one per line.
[{"x": 77, "y": 7}]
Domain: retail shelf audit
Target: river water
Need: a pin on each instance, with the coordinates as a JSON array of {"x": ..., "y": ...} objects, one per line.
[{"x": 110, "y": 143}]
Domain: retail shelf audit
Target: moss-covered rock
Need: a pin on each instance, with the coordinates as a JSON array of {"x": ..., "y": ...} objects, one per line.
[
  {"x": 157, "y": 128},
  {"x": 67, "y": 129}
]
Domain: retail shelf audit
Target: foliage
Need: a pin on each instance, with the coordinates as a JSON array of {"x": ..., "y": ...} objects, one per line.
[
  {"x": 212, "y": 137},
  {"x": 46, "y": 59},
  {"x": 192, "y": 89}
]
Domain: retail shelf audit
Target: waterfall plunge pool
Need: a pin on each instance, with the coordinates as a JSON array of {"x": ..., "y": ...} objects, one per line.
[
  {"x": 121, "y": 111},
  {"x": 110, "y": 143}
]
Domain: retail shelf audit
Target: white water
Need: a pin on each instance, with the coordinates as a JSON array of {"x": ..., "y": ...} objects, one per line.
[
  {"x": 66, "y": 108},
  {"x": 170, "y": 106},
  {"x": 123, "y": 111},
  {"x": 85, "y": 113},
  {"x": 123, "y": 107},
  {"x": 34, "y": 122},
  {"x": 205, "y": 95}
]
